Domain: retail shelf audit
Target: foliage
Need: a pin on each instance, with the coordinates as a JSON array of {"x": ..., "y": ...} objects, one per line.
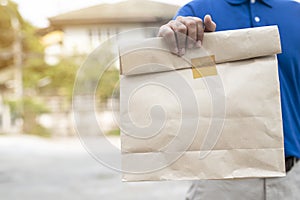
[
  {"x": 31, "y": 47},
  {"x": 114, "y": 132},
  {"x": 60, "y": 78},
  {"x": 6, "y": 30},
  {"x": 29, "y": 105},
  {"x": 6, "y": 35},
  {"x": 30, "y": 108},
  {"x": 34, "y": 106},
  {"x": 39, "y": 130},
  {"x": 41, "y": 79},
  {"x": 99, "y": 70},
  {"x": 108, "y": 85}
]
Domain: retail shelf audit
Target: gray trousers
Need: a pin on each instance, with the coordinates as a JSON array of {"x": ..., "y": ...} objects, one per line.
[{"x": 286, "y": 188}]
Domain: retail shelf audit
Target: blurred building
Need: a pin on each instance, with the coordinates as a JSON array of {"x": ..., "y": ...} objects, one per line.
[
  {"x": 84, "y": 29},
  {"x": 75, "y": 34}
]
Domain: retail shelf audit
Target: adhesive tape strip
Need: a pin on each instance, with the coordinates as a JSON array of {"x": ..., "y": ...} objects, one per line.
[{"x": 204, "y": 66}]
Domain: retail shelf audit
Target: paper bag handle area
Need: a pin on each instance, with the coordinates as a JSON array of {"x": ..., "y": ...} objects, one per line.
[{"x": 153, "y": 55}]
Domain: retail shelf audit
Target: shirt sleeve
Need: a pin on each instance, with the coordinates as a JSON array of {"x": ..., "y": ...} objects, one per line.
[{"x": 185, "y": 11}]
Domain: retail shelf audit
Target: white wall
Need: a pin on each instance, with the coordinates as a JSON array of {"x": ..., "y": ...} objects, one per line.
[{"x": 83, "y": 39}]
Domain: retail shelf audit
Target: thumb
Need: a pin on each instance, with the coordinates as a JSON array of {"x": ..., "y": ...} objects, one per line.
[{"x": 209, "y": 24}]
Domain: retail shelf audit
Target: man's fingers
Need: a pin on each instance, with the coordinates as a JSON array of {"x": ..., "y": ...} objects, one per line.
[
  {"x": 168, "y": 34},
  {"x": 180, "y": 32},
  {"x": 186, "y": 31},
  {"x": 209, "y": 24},
  {"x": 191, "y": 26},
  {"x": 200, "y": 31}
]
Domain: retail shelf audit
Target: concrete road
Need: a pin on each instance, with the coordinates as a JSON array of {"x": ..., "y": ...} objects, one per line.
[{"x": 60, "y": 169}]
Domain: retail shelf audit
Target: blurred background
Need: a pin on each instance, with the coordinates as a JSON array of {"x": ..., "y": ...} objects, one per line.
[{"x": 42, "y": 45}]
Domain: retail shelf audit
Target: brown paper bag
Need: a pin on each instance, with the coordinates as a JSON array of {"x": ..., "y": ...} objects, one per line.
[{"x": 213, "y": 114}]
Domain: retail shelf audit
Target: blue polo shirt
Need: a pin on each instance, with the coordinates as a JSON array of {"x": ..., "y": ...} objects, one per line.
[{"x": 237, "y": 14}]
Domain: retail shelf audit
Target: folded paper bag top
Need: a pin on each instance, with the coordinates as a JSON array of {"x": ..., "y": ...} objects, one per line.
[
  {"x": 230, "y": 129},
  {"x": 226, "y": 46}
]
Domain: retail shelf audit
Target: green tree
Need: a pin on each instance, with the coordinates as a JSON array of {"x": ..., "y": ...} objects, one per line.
[
  {"x": 13, "y": 28},
  {"x": 40, "y": 79},
  {"x": 31, "y": 47},
  {"x": 108, "y": 86},
  {"x": 7, "y": 33},
  {"x": 51, "y": 80}
]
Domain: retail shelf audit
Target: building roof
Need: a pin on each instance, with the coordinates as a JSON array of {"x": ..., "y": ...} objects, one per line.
[{"x": 131, "y": 11}]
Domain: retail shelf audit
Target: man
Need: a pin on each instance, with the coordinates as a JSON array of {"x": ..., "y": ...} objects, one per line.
[{"x": 201, "y": 16}]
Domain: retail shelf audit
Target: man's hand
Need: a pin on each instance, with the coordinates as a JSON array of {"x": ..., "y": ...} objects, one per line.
[{"x": 186, "y": 32}]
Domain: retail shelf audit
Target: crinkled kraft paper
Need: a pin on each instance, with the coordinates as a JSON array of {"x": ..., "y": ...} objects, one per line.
[{"x": 221, "y": 126}]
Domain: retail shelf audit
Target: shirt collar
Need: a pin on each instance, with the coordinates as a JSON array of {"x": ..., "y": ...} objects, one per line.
[{"x": 237, "y": 2}]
